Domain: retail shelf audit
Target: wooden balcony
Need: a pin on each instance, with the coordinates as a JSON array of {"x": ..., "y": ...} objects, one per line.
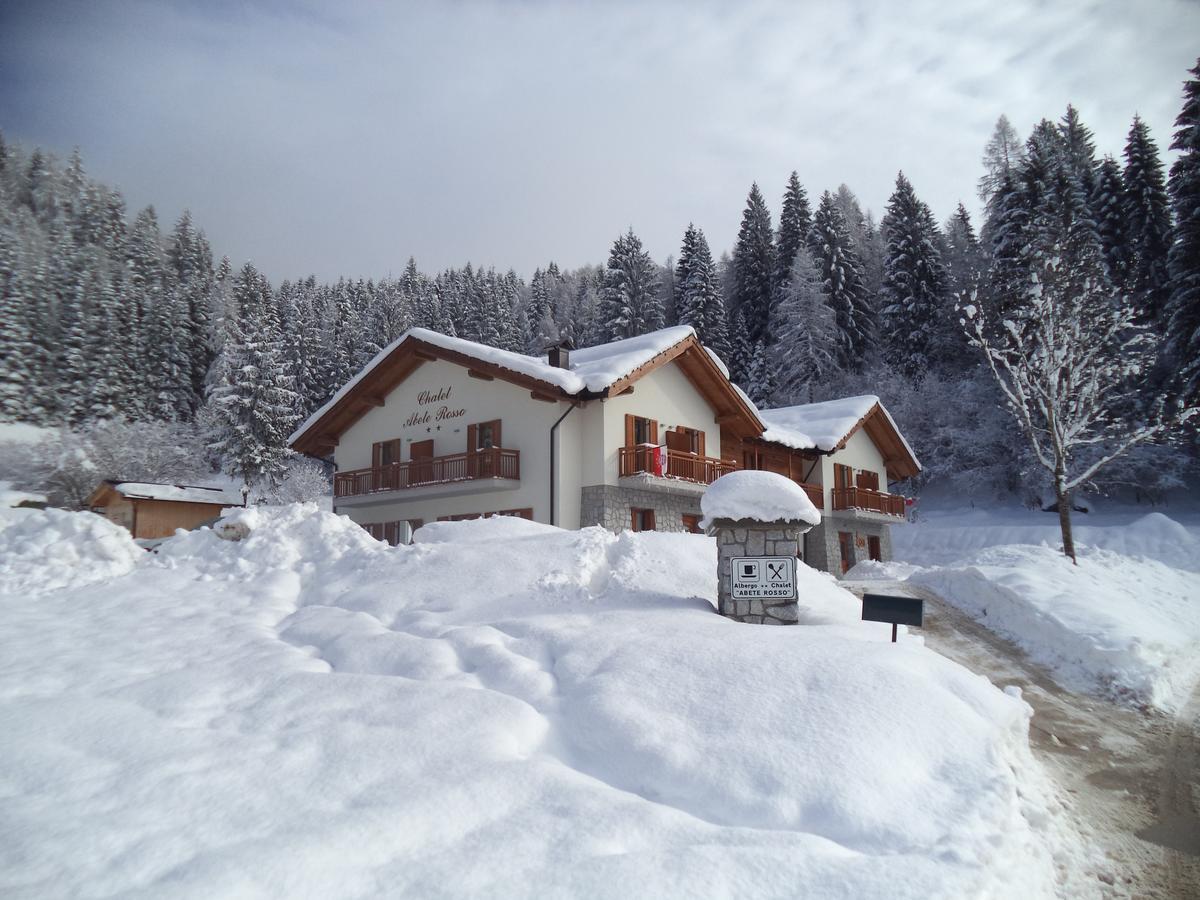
[
  {"x": 867, "y": 500},
  {"x": 491, "y": 463},
  {"x": 815, "y": 493},
  {"x": 674, "y": 464}
]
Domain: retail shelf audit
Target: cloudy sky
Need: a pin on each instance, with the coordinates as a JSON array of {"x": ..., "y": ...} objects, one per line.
[{"x": 339, "y": 138}]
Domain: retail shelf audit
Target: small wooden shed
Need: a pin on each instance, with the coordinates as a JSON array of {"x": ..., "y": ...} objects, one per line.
[{"x": 152, "y": 510}]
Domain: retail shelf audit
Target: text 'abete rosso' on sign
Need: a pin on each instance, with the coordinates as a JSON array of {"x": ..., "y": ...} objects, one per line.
[{"x": 762, "y": 577}]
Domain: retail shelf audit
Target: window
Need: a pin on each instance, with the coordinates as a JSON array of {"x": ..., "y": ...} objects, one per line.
[
  {"x": 397, "y": 532},
  {"x": 639, "y": 430},
  {"x": 753, "y": 459},
  {"x": 487, "y": 435},
  {"x": 641, "y": 519},
  {"x": 691, "y": 524},
  {"x": 843, "y": 476}
]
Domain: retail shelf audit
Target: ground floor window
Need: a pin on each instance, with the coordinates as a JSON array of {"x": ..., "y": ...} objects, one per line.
[
  {"x": 874, "y": 551},
  {"x": 526, "y": 513},
  {"x": 397, "y": 532},
  {"x": 691, "y": 524},
  {"x": 641, "y": 519}
]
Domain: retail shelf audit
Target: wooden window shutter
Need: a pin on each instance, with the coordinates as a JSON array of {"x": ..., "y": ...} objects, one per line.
[
  {"x": 633, "y": 520},
  {"x": 650, "y": 525},
  {"x": 472, "y": 438},
  {"x": 397, "y": 448},
  {"x": 376, "y": 455},
  {"x": 700, "y": 444},
  {"x": 628, "y": 430},
  {"x": 496, "y": 442},
  {"x": 654, "y": 431}
]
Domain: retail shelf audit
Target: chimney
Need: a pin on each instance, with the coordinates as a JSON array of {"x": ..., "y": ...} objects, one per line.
[{"x": 559, "y": 354}]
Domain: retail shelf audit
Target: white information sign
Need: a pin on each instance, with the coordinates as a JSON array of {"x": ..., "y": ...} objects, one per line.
[{"x": 763, "y": 578}]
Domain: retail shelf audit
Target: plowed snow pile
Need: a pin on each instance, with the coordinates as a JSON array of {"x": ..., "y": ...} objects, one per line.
[
  {"x": 43, "y": 550},
  {"x": 1126, "y": 627},
  {"x": 503, "y": 709}
]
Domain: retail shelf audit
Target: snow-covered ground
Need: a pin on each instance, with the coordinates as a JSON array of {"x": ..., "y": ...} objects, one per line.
[
  {"x": 1124, "y": 623},
  {"x": 503, "y": 709}
]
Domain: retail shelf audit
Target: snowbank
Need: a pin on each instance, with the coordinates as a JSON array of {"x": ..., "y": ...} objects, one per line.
[
  {"x": 24, "y": 433},
  {"x": 499, "y": 710},
  {"x": 1121, "y": 626},
  {"x": 759, "y": 497},
  {"x": 50, "y": 549}
]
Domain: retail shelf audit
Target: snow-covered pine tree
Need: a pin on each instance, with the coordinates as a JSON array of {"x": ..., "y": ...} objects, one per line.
[
  {"x": 191, "y": 261},
  {"x": 914, "y": 282},
  {"x": 760, "y": 376},
  {"x": 754, "y": 266},
  {"x": 700, "y": 304},
  {"x": 629, "y": 301},
  {"x": 1003, "y": 155},
  {"x": 741, "y": 348},
  {"x": 1108, "y": 209},
  {"x": 1078, "y": 150},
  {"x": 806, "y": 351},
  {"x": 1009, "y": 232},
  {"x": 1184, "y": 258},
  {"x": 1148, "y": 224},
  {"x": 16, "y": 346},
  {"x": 1067, "y": 359},
  {"x": 253, "y": 407},
  {"x": 795, "y": 220},
  {"x": 842, "y": 281}
]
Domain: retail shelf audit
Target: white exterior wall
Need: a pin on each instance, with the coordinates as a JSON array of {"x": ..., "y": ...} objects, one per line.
[
  {"x": 525, "y": 426},
  {"x": 665, "y": 395},
  {"x": 860, "y": 452}
]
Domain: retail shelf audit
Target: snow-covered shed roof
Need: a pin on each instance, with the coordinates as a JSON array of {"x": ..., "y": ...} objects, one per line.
[
  {"x": 828, "y": 425},
  {"x": 177, "y": 493},
  {"x": 594, "y": 372},
  {"x": 757, "y": 496}
]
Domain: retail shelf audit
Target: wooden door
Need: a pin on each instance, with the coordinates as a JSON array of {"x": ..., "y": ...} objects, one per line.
[{"x": 420, "y": 470}]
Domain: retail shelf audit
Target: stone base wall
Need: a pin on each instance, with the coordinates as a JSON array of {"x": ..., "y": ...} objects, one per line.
[
  {"x": 609, "y": 505},
  {"x": 749, "y": 540},
  {"x": 822, "y": 548}
]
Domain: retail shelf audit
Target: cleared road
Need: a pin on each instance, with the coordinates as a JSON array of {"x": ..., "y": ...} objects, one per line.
[{"x": 1130, "y": 778}]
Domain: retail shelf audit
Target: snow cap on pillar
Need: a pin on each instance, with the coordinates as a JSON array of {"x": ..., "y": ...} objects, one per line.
[{"x": 756, "y": 496}]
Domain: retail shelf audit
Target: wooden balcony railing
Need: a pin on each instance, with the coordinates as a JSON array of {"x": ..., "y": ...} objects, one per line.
[
  {"x": 868, "y": 500},
  {"x": 815, "y": 493},
  {"x": 491, "y": 463},
  {"x": 674, "y": 464}
]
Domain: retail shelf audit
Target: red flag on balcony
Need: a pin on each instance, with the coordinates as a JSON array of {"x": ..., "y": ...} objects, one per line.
[{"x": 660, "y": 462}]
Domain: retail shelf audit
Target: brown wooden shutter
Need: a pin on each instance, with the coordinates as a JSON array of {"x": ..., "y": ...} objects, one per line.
[
  {"x": 397, "y": 449},
  {"x": 472, "y": 438},
  {"x": 496, "y": 442},
  {"x": 650, "y": 525},
  {"x": 700, "y": 444},
  {"x": 633, "y": 520},
  {"x": 654, "y": 431},
  {"x": 628, "y": 430},
  {"x": 377, "y": 455}
]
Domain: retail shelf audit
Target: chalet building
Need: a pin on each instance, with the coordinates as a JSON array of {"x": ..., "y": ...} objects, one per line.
[
  {"x": 151, "y": 511},
  {"x": 626, "y": 435}
]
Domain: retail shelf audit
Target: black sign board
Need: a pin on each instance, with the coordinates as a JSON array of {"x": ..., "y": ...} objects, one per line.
[{"x": 896, "y": 610}]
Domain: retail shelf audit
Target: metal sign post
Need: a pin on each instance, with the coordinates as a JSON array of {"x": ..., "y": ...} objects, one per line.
[{"x": 896, "y": 610}]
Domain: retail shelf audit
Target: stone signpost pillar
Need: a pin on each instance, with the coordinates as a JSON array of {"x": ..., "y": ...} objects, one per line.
[{"x": 758, "y": 519}]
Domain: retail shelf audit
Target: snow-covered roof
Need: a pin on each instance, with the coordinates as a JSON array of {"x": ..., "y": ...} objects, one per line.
[
  {"x": 759, "y": 496},
  {"x": 821, "y": 425},
  {"x": 179, "y": 493},
  {"x": 592, "y": 369}
]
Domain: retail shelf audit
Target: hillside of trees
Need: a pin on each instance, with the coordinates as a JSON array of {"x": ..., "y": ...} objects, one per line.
[{"x": 108, "y": 319}]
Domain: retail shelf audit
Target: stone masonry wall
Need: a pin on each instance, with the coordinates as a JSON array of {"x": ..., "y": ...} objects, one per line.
[
  {"x": 824, "y": 552},
  {"x": 736, "y": 539},
  {"x": 609, "y": 505}
]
